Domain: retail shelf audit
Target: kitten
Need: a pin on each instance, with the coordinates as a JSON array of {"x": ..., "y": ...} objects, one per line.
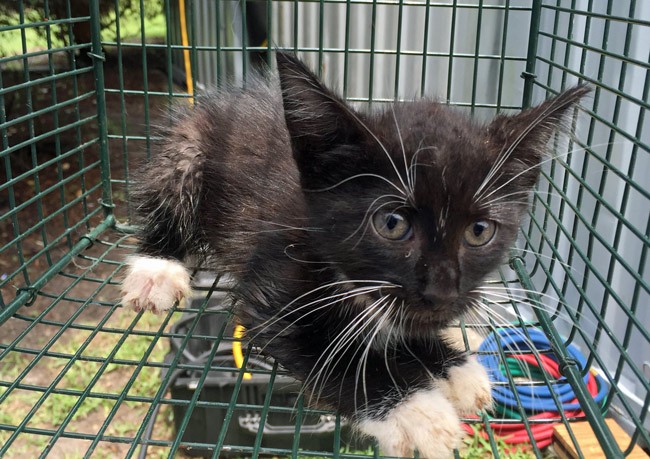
[{"x": 354, "y": 238}]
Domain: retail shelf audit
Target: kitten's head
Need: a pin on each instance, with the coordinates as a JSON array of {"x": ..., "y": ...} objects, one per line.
[{"x": 417, "y": 195}]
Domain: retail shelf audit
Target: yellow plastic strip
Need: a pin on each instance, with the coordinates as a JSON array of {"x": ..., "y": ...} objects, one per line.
[
  {"x": 186, "y": 52},
  {"x": 237, "y": 353}
]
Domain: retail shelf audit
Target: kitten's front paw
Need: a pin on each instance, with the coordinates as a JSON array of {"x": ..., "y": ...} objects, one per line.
[
  {"x": 154, "y": 284},
  {"x": 468, "y": 387},
  {"x": 425, "y": 421}
]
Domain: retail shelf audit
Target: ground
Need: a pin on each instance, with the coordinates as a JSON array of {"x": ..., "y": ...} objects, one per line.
[{"x": 92, "y": 413}]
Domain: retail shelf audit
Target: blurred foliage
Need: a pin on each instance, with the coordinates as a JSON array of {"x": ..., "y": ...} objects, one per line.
[{"x": 14, "y": 12}]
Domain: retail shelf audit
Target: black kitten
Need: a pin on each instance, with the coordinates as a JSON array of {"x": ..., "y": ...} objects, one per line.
[{"x": 354, "y": 238}]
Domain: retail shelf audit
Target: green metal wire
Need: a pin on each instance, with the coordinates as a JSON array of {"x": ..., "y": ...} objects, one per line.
[
  {"x": 571, "y": 371},
  {"x": 529, "y": 74},
  {"x": 451, "y": 54},
  {"x": 78, "y": 259},
  {"x": 425, "y": 43},
  {"x": 477, "y": 45}
]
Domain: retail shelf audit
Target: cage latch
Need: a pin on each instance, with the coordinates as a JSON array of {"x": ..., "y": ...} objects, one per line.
[
  {"x": 94, "y": 56},
  {"x": 31, "y": 291},
  {"x": 564, "y": 364},
  {"x": 528, "y": 76}
]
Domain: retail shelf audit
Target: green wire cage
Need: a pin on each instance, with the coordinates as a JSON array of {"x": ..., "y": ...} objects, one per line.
[{"x": 82, "y": 88}]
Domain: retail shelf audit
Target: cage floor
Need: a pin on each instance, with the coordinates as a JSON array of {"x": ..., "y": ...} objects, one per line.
[{"x": 81, "y": 376}]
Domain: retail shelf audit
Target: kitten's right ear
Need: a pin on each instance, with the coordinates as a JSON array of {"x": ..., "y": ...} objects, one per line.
[{"x": 317, "y": 119}]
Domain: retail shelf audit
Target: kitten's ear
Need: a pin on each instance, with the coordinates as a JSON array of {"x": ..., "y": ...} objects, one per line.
[
  {"x": 526, "y": 134},
  {"x": 317, "y": 119}
]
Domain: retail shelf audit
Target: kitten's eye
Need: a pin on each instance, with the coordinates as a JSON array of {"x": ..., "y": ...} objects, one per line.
[
  {"x": 391, "y": 225},
  {"x": 480, "y": 233}
]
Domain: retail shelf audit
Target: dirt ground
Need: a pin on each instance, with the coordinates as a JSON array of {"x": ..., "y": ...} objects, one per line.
[
  {"x": 136, "y": 115},
  {"x": 123, "y": 154}
]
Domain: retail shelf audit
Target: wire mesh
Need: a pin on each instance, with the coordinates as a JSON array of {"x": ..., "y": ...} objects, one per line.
[{"x": 79, "y": 102}]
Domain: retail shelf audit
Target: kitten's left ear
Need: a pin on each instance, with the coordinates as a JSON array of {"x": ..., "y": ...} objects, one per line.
[
  {"x": 527, "y": 133},
  {"x": 317, "y": 119}
]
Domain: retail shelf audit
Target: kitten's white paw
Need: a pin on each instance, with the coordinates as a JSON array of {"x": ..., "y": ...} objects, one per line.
[
  {"x": 426, "y": 421},
  {"x": 154, "y": 284},
  {"x": 467, "y": 387}
]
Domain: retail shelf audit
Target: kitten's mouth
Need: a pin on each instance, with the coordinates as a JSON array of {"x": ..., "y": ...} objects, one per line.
[{"x": 425, "y": 313}]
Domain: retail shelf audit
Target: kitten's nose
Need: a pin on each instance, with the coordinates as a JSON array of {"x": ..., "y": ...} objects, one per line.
[{"x": 442, "y": 285}]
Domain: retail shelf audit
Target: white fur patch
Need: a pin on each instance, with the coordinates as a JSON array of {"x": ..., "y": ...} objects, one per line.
[
  {"x": 455, "y": 337},
  {"x": 154, "y": 284},
  {"x": 468, "y": 387},
  {"x": 425, "y": 421}
]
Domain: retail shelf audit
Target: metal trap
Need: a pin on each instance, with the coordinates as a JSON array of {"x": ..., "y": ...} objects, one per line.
[{"x": 81, "y": 89}]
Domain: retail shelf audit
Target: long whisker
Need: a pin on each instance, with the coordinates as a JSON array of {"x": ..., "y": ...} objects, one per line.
[
  {"x": 313, "y": 262},
  {"x": 414, "y": 163},
  {"x": 548, "y": 257},
  {"x": 333, "y": 284},
  {"x": 513, "y": 349},
  {"x": 569, "y": 316},
  {"x": 388, "y": 340},
  {"x": 484, "y": 204},
  {"x": 514, "y": 177},
  {"x": 282, "y": 226},
  {"x": 364, "y": 357},
  {"x": 342, "y": 297},
  {"x": 506, "y": 154},
  {"x": 370, "y": 209},
  {"x": 551, "y": 158},
  {"x": 339, "y": 343},
  {"x": 347, "y": 179},
  {"x": 406, "y": 167},
  {"x": 390, "y": 159}
]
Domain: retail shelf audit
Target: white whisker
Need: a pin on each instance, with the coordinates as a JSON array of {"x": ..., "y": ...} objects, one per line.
[
  {"x": 410, "y": 188},
  {"x": 345, "y": 180}
]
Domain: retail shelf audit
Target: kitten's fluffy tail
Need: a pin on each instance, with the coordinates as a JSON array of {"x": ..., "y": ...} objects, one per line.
[
  {"x": 167, "y": 200},
  {"x": 168, "y": 195}
]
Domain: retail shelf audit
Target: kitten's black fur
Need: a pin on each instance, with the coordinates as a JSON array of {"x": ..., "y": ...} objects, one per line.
[{"x": 280, "y": 185}]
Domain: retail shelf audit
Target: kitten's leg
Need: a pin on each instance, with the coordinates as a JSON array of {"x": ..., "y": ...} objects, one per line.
[
  {"x": 154, "y": 284},
  {"x": 426, "y": 420},
  {"x": 166, "y": 200},
  {"x": 467, "y": 386}
]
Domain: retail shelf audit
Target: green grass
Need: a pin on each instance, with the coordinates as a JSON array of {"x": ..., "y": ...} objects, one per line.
[
  {"x": 477, "y": 447},
  {"x": 56, "y": 407}
]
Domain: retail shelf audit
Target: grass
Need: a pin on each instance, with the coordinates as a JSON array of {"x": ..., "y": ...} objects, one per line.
[
  {"x": 477, "y": 447},
  {"x": 93, "y": 410}
]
